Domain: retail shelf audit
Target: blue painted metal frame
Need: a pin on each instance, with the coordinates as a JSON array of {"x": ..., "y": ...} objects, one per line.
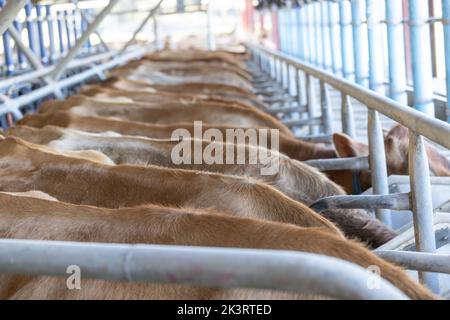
[
  {"x": 40, "y": 23},
  {"x": 358, "y": 50},
  {"x": 446, "y": 22},
  {"x": 30, "y": 28},
  {"x": 396, "y": 51},
  {"x": 346, "y": 39},
  {"x": 421, "y": 56}
]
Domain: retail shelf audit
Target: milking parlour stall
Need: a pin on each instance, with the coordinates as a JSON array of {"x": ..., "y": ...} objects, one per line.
[{"x": 225, "y": 158}]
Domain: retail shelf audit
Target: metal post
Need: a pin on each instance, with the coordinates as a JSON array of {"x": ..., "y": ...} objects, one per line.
[
  {"x": 156, "y": 32},
  {"x": 378, "y": 166},
  {"x": 376, "y": 67},
  {"x": 325, "y": 104},
  {"x": 20, "y": 56},
  {"x": 325, "y": 25},
  {"x": 358, "y": 50},
  {"x": 334, "y": 36},
  {"x": 7, "y": 50},
  {"x": 51, "y": 33},
  {"x": 56, "y": 74},
  {"x": 311, "y": 102},
  {"x": 419, "y": 173},
  {"x": 311, "y": 32},
  {"x": 318, "y": 34},
  {"x": 421, "y": 56},
  {"x": 30, "y": 27},
  {"x": 396, "y": 49},
  {"x": 9, "y": 13},
  {"x": 40, "y": 22},
  {"x": 348, "y": 122},
  {"x": 446, "y": 23},
  {"x": 67, "y": 26},
  {"x": 141, "y": 26},
  {"x": 346, "y": 39},
  {"x": 304, "y": 24},
  {"x": 209, "y": 30},
  {"x": 60, "y": 18}
]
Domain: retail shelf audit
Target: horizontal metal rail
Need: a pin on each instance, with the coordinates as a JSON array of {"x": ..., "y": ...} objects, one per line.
[
  {"x": 304, "y": 273},
  {"x": 419, "y": 124},
  {"x": 356, "y": 164},
  {"x": 14, "y": 105},
  {"x": 417, "y": 260},
  {"x": 432, "y": 128}
]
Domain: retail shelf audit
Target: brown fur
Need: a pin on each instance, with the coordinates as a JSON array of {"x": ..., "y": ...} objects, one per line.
[
  {"x": 25, "y": 166},
  {"x": 166, "y": 113},
  {"x": 294, "y": 179},
  {"x": 28, "y": 218}
]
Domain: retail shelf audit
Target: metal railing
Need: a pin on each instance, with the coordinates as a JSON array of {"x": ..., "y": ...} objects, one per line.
[
  {"x": 412, "y": 40},
  {"x": 50, "y": 76},
  {"x": 303, "y": 273},
  {"x": 278, "y": 66}
]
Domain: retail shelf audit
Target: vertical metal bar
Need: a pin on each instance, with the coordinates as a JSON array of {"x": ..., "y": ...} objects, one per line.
[
  {"x": 209, "y": 30},
  {"x": 358, "y": 57},
  {"x": 9, "y": 13},
  {"x": 74, "y": 24},
  {"x": 7, "y": 50},
  {"x": 421, "y": 56},
  {"x": 346, "y": 39},
  {"x": 419, "y": 173},
  {"x": 305, "y": 32},
  {"x": 20, "y": 56},
  {"x": 295, "y": 34},
  {"x": 51, "y": 33},
  {"x": 40, "y": 22},
  {"x": 8, "y": 54},
  {"x": 298, "y": 82},
  {"x": 30, "y": 27},
  {"x": 376, "y": 67},
  {"x": 348, "y": 122},
  {"x": 446, "y": 18},
  {"x": 378, "y": 166},
  {"x": 318, "y": 33},
  {"x": 325, "y": 24},
  {"x": 311, "y": 32},
  {"x": 156, "y": 32},
  {"x": 60, "y": 18},
  {"x": 311, "y": 102},
  {"x": 57, "y": 72},
  {"x": 325, "y": 104},
  {"x": 67, "y": 26},
  {"x": 396, "y": 51},
  {"x": 333, "y": 37}
]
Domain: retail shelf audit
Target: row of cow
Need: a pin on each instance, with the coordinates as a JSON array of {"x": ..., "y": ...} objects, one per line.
[{"x": 98, "y": 167}]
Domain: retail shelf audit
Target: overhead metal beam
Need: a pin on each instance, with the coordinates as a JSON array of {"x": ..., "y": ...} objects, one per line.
[
  {"x": 141, "y": 26},
  {"x": 9, "y": 13},
  {"x": 59, "y": 70}
]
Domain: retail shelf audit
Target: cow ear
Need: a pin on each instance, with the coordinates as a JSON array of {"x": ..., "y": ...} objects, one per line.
[
  {"x": 400, "y": 132},
  {"x": 347, "y": 147}
]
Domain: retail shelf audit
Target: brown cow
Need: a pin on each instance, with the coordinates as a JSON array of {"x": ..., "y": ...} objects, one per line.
[
  {"x": 28, "y": 218},
  {"x": 166, "y": 113},
  {"x": 144, "y": 92},
  {"x": 396, "y": 144},
  {"x": 294, "y": 179},
  {"x": 292, "y": 147},
  {"x": 25, "y": 167}
]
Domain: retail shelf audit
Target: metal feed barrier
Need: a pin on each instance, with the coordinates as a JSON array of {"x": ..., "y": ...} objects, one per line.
[
  {"x": 283, "y": 69},
  {"x": 258, "y": 269}
]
